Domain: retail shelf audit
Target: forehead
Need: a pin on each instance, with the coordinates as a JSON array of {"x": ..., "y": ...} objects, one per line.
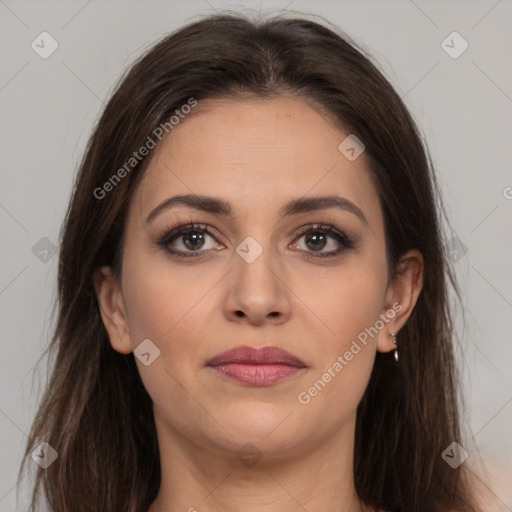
[{"x": 255, "y": 153}]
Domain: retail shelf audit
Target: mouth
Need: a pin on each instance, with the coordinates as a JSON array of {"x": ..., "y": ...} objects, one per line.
[{"x": 256, "y": 366}]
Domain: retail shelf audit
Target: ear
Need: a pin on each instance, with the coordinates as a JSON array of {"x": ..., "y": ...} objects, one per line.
[
  {"x": 112, "y": 309},
  {"x": 401, "y": 297}
]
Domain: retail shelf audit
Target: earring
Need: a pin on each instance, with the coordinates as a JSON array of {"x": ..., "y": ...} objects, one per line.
[
  {"x": 393, "y": 335},
  {"x": 119, "y": 339}
]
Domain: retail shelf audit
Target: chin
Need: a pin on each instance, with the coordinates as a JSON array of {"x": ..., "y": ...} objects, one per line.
[{"x": 271, "y": 429}]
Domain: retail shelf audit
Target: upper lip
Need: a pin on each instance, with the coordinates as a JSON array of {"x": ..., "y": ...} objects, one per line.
[{"x": 255, "y": 355}]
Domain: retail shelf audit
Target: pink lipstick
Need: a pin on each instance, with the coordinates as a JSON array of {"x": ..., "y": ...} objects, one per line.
[{"x": 256, "y": 366}]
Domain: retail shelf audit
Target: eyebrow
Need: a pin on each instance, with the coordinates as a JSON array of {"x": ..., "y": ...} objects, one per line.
[{"x": 293, "y": 207}]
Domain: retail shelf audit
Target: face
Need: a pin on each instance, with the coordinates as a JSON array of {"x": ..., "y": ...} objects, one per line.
[{"x": 309, "y": 278}]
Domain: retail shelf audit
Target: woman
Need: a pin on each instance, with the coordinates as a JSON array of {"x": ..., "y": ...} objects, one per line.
[{"x": 253, "y": 309}]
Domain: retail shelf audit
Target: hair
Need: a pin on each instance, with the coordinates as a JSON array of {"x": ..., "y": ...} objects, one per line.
[{"x": 95, "y": 411}]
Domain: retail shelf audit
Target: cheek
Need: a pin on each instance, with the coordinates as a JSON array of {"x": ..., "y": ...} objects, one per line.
[
  {"x": 349, "y": 306},
  {"x": 337, "y": 390},
  {"x": 174, "y": 310},
  {"x": 345, "y": 357},
  {"x": 159, "y": 302},
  {"x": 350, "y": 300},
  {"x": 166, "y": 309}
]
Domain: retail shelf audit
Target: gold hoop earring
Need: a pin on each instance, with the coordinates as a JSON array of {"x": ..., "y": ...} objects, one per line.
[{"x": 393, "y": 335}]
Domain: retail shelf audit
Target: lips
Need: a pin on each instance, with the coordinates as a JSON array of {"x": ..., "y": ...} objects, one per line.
[
  {"x": 249, "y": 355},
  {"x": 256, "y": 366}
]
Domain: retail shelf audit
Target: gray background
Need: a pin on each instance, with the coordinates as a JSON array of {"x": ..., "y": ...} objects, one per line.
[{"x": 463, "y": 107}]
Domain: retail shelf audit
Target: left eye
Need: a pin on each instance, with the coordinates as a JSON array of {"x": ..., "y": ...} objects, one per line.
[{"x": 317, "y": 239}]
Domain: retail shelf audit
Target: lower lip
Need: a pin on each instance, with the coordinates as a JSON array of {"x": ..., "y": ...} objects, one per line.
[{"x": 256, "y": 374}]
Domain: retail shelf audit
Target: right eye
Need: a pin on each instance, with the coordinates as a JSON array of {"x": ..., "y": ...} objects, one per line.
[{"x": 191, "y": 237}]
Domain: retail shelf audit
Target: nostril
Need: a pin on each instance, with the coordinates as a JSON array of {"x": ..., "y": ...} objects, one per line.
[{"x": 239, "y": 313}]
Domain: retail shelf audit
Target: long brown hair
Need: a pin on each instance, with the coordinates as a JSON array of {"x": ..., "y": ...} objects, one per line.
[{"x": 96, "y": 412}]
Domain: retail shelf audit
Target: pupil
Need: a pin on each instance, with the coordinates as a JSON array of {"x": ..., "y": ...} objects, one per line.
[
  {"x": 316, "y": 238},
  {"x": 196, "y": 238}
]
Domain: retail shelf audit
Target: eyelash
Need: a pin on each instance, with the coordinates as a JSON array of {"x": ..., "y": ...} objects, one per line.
[{"x": 173, "y": 233}]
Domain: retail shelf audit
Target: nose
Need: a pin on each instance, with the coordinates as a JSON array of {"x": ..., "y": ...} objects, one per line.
[{"x": 257, "y": 291}]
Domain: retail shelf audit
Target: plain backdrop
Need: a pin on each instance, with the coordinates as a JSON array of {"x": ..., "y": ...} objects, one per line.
[{"x": 463, "y": 106}]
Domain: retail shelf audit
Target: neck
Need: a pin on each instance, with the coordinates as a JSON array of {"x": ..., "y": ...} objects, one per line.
[{"x": 208, "y": 479}]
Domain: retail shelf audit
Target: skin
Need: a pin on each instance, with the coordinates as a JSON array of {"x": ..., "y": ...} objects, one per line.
[{"x": 256, "y": 154}]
